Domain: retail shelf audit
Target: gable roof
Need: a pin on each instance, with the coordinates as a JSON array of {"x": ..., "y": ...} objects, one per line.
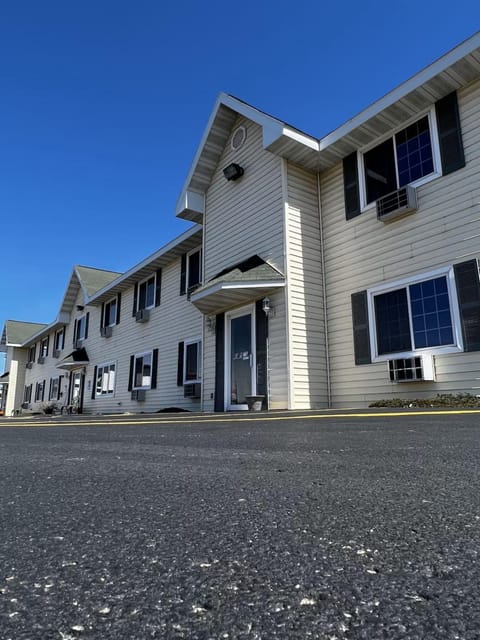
[
  {"x": 88, "y": 280},
  {"x": 16, "y": 333},
  {"x": 190, "y": 205}
]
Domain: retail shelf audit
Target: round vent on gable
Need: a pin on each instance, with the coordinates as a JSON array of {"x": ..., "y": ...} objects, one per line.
[{"x": 238, "y": 138}]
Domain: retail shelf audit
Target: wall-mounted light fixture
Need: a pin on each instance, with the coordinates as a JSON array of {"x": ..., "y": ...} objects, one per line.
[
  {"x": 233, "y": 171},
  {"x": 266, "y": 305},
  {"x": 80, "y": 307}
]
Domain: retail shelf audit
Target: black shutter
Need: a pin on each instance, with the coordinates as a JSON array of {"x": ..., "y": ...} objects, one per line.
[
  {"x": 449, "y": 134},
  {"x": 181, "y": 347},
  {"x": 59, "y": 392},
  {"x": 351, "y": 186},
  {"x": 158, "y": 287},
  {"x": 43, "y": 390},
  {"x": 220, "y": 362},
  {"x": 183, "y": 275},
  {"x": 86, "y": 325},
  {"x": 94, "y": 384},
  {"x": 361, "y": 334},
  {"x": 261, "y": 337},
  {"x": 153, "y": 384},
  {"x": 130, "y": 375},
  {"x": 50, "y": 390},
  {"x": 102, "y": 316},
  {"x": 468, "y": 293},
  {"x": 48, "y": 344},
  {"x": 119, "y": 304},
  {"x": 135, "y": 294},
  {"x": 74, "y": 332}
]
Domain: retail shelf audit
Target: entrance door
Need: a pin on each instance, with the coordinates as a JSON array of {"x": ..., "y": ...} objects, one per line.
[
  {"x": 239, "y": 358},
  {"x": 76, "y": 390}
]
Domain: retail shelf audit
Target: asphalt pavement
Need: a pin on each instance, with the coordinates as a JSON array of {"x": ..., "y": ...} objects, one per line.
[{"x": 215, "y": 528}]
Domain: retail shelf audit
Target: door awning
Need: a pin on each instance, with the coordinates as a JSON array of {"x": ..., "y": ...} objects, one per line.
[
  {"x": 74, "y": 360},
  {"x": 239, "y": 284},
  {"x": 5, "y": 377}
]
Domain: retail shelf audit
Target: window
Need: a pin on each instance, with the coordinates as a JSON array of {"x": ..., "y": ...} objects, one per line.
[
  {"x": 53, "y": 393},
  {"x": 191, "y": 271},
  {"x": 110, "y": 313},
  {"x": 31, "y": 353},
  {"x": 429, "y": 147},
  {"x": 421, "y": 314},
  {"x": 43, "y": 348},
  {"x": 146, "y": 294},
  {"x": 27, "y": 393},
  {"x": 403, "y": 159},
  {"x": 59, "y": 339},
  {"x": 192, "y": 361},
  {"x": 81, "y": 328},
  {"x": 105, "y": 379},
  {"x": 142, "y": 372},
  {"x": 39, "y": 391}
]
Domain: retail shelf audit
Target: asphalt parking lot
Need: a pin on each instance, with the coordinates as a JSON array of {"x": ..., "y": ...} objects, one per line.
[{"x": 249, "y": 527}]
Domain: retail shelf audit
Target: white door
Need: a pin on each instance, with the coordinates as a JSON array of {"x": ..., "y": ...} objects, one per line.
[{"x": 239, "y": 358}]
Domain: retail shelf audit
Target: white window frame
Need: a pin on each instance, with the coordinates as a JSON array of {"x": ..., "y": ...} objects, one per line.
[
  {"x": 108, "y": 306},
  {"x": 56, "y": 346},
  {"x": 136, "y": 357},
  {"x": 404, "y": 283},
  {"x": 32, "y": 351},
  {"x": 186, "y": 343},
  {"x": 109, "y": 392},
  {"x": 200, "y": 275},
  {"x": 145, "y": 280},
  {"x": 437, "y": 161},
  {"x": 81, "y": 324},
  {"x": 44, "y": 344},
  {"x": 54, "y": 389}
]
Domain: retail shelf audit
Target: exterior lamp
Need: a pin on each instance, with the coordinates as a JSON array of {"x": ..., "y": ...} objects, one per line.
[
  {"x": 266, "y": 306},
  {"x": 233, "y": 171}
]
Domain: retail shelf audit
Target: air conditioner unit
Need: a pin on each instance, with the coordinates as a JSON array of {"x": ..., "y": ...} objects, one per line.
[
  {"x": 139, "y": 395},
  {"x": 142, "y": 315},
  {"x": 416, "y": 369},
  {"x": 25, "y": 405},
  {"x": 192, "y": 390},
  {"x": 397, "y": 204},
  {"x": 106, "y": 332},
  {"x": 56, "y": 353},
  {"x": 29, "y": 365},
  {"x": 78, "y": 344},
  {"x": 41, "y": 360}
]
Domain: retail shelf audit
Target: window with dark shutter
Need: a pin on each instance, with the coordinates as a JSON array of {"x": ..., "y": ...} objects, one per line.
[
  {"x": 183, "y": 275},
  {"x": 158, "y": 287},
  {"x": 468, "y": 294},
  {"x": 153, "y": 384},
  {"x": 351, "y": 186},
  {"x": 119, "y": 303},
  {"x": 180, "y": 364},
  {"x": 449, "y": 134},
  {"x": 361, "y": 335},
  {"x": 94, "y": 383},
  {"x": 130, "y": 373}
]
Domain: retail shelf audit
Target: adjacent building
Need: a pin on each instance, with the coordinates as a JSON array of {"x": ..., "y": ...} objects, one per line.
[{"x": 317, "y": 272}]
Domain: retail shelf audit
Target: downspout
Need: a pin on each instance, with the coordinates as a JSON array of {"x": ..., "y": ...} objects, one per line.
[{"x": 324, "y": 291}]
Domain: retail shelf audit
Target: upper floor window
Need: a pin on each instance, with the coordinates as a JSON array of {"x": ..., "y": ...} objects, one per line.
[
  {"x": 59, "y": 339},
  {"x": 146, "y": 294},
  {"x": 80, "y": 331},
  {"x": 31, "y": 353},
  {"x": 110, "y": 313},
  {"x": 403, "y": 159},
  {"x": 428, "y": 147},
  {"x": 43, "y": 348},
  {"x": 191, "y": 271}
]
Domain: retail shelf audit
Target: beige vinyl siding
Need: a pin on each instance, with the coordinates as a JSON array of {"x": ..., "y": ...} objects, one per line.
[
  {"x": 308, "y": 365},
  {"x": 363, "y": 252},
  {"x": 245, "y": 217},
  {"x": 175, "y": 320}
]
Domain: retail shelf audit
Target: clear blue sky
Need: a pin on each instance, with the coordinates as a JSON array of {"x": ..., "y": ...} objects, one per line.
[{"x": 103, "y": 104}]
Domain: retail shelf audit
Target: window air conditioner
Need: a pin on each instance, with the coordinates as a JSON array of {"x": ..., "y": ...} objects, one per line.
[
  {"x": 416, "y": 369},
  {"x": 397, "y": 204},
  {"x": 29, "y": 365},
  {"x": 142, "y": 315},
  {"x": 41, "y": 360},
  {"x": 192, "y": 390},
  {"x": 139, "y": 395},
  {"x": 106, "y": 332},
  {"x": 25, "y": 405}
]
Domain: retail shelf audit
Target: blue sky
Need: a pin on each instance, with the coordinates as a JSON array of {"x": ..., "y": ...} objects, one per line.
[{"x": 103, "y": 104}]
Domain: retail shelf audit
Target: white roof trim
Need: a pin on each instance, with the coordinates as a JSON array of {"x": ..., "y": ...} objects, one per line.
[
  {"x": 225, "y": 286},
  {"x": 144, "y": 263},
  {"x": 402, "y": 90}
]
